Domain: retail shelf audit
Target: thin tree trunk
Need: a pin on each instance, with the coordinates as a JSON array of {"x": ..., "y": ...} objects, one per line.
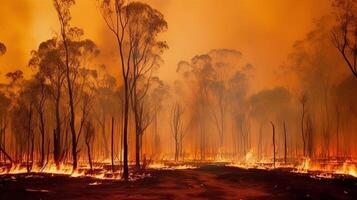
[
  {"x": 337, "y": 132},
  {"x": 57, "y": 131},
  {"x": 112, "y": 145},
  {"x": 42, "y": 129},
  {"x": 125, "y": 134},
  {"x": 89, "y": 156},
  {"x": 260, "y": 148},
  {"x": 32, "y": 148},
  {"x": 302, "y": 129},
  {"x": 105, "y": 141},
  {"x": 285, "y": 145},
  {"x": 273, "y": 143},
  {"x": 137, "y": 150},
  {"x": 28, "y": 139}
]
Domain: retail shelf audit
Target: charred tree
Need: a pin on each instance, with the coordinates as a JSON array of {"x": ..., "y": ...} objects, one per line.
[
  {"x": 274, "y": 158},
  {"x": 303, "y": 101},
  {"x": 285, "y": 144},
  {"x": 112, "y": 145}
]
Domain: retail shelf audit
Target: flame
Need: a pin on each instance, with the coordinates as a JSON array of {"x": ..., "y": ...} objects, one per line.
[
  {"x": 63, "y": 169},
  {"x": 316, "y": 168},
  {"x": 173, "y": 166},
  {"x": 348, "y": 168},
  {"x": 331, "y": 167}
]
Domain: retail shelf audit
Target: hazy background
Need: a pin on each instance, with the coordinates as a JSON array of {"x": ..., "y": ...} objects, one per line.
[{"x": 263, "y": 30}]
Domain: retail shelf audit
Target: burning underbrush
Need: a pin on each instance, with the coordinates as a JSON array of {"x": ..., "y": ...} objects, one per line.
[
  {"x": 314, "y": 168},
  {"x": 328, "y": 169},
  {"x": 101, "y": 171}
]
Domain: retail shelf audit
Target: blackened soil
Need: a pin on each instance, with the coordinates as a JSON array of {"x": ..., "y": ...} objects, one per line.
[{"x": 207, "y": 182}]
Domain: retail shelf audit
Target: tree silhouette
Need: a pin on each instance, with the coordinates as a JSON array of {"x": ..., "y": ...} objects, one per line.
[{"x": 345, "y": 32}]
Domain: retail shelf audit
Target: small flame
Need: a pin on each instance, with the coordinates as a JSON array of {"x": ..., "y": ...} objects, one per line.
[{"x": 174, "y": 166}]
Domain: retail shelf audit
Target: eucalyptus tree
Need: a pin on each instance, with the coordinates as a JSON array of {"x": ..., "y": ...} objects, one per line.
[
  {"x": 176, "y": 124},
  {"x": 5, "y": 105},
  {"x": 199, "y": 73},
  {"x": 225, "y": 64},
  {"x": 144, "y": 26},
  {"x": 114, "y": 15},
  {"x": 62, "y": 8},
  {"x": 271, "y": 105},
  {"x": 76, "y": 53},
  {"x": 48, "y": 61},
  {"x": 135, "y": 27},
  {"x": 158, "y": 96}
]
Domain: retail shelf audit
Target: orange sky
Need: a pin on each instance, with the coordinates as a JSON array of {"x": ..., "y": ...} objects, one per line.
[{"x": 263, "y": 30}]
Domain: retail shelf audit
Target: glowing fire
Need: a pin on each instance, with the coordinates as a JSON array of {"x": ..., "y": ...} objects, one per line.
[
  {"x": 316, "y": 168},
  {"x": 175, "y": 166},
  {"x": 308, "y": 166},
  {"x": 63, "y": 169}
]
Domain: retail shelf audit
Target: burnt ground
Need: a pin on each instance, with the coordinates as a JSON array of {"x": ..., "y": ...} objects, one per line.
[{"x": 208, "y": 182}]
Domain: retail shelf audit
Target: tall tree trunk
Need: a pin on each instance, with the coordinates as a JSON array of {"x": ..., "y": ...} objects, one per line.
[
  {"x": 285, "y": 145},
  {"x": 155, "y": 135},
  {"x": 137, "y": 151},
  {"x": 337, "y": 131},
  {"x": 32, "y": 148},
  {"x": 260, "y": 143},
  {"x": 28, "y": 140},
  {"x": 42, "y": 130},
  {"x": 137, "y": 126},
  {"x": 71, "y": 105},
  {"x": 105, "y": 141},
  {"x": 176, "y": 148},
  {"x": 57, "y": 131},
  {"x": 112, "y": 145},
  {"x": 125, "y": 133},
  {"x": 302, "y": 129},
  {"x": 273, "y": 143}
]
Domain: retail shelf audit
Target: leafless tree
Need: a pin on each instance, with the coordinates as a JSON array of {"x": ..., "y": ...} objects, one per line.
[{"x": 344, "y": 34}]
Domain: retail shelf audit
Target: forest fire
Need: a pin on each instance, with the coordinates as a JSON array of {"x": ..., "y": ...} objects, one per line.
[
  {"x": 321, "y": 169},
  {"x": 153, "y": 99},
  {"x": 63, "y": 169},
  {"x": 330, "y": 167}
]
